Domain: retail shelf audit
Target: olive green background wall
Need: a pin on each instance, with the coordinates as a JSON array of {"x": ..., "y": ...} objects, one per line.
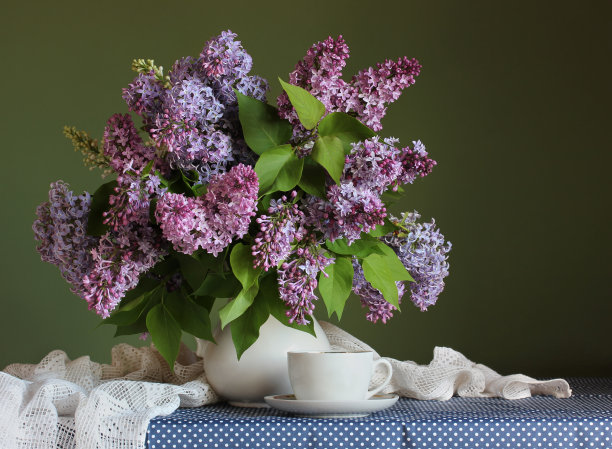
[{"x": 513, "y": 102}]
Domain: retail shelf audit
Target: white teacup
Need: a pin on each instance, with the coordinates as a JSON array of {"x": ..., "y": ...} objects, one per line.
[{"x": 334, "y": 375}]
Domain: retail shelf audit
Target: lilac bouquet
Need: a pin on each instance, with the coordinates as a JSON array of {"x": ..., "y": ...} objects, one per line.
[{"x": 218, "y": 194}]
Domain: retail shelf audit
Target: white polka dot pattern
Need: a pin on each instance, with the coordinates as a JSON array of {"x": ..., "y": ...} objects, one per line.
[{"x": 581, "y": 421}]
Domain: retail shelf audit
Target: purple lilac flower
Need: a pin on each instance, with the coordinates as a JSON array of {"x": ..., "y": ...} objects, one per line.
[
  {"x": 131, "y": 201},
  {"x": 124, "y": 147},
  {"x": 278, "y": 231},
  {"x": 198, "y": 119},
  {"x": 297, "y": 280},
  {"x": 118, "y": 261},
  {"x": 194, "y": 99},
  {"x": 372, "y": 167},
  {"x": 424, "y": 252},
  {"x": 60, "y": 230},
  {"x": 144, "y": 96},
  {"x": 379, "y": 308},
  {"x": 365, "y": 96},
  {"x": 416, "y": 163},
  {"x": 320, "y": 73},
  {"x": 373, "y": 164},
  {"x": 347, "y": 212},
  {"x": 224, "y": 56},
  {"x": 214, "y": 220},
  {"x": 372, "y": 89}
]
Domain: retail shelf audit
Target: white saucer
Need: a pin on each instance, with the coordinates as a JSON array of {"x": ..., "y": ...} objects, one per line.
[{"x": 331, "y": 409}]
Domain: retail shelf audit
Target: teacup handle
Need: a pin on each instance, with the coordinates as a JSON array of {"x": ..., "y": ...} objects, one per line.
[{"x": 385, "y": 382}]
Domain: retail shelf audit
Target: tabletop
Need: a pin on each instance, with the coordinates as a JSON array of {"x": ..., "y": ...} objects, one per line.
[{"x": 583, "y": 420}]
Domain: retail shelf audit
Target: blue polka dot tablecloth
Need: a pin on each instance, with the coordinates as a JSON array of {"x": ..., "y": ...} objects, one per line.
[{"x": 581, "y": 421}]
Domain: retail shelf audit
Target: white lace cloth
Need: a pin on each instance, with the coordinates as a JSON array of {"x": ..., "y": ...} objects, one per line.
[{"x": 63, "y": 403}]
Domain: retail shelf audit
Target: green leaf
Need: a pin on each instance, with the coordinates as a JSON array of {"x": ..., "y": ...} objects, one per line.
[
  {"x": 214, "y": 263},
  {"x": 289, "y": 176},
  {"x": 383, "y": 270},
  {"x": 145, "y": 285},
  {"x": 336, "y": 287},
  {"x": 191, "y": 317},
  {"x": 270, "y": 164},
  {"x": 308, "y": 108},
  {"x": 383, "y": 229},
  {"x": 390, "y": 196},
  {"x": 237, "y": 306},
  {"x": 204, "y": 301},
  {"x": 166, "y": 267},
  {"x": 377, "y": 274},
  {"x": 192, "y": 270},
  {"x": 241, "y": 261},
  {"x": 393, "y": 263},
  {"x": 329, "y": 153},
  {"x": 346, "y": 128},
  {"x": 263, "y": 129},
  {"x": 218, "y": 286},
  {"x": 200, "y": 189},
  {"x": 132, "y": 311},
  {"x": 147, "y": 169},
  {"x": 165, "y": 333},
  {"x": 130, "y": 329},
  {"x": 99, "y": 205},
  {"x": 363, "y": 247},
  {"x": 245, "y": 328},
  {"x": 313, "y": 179},
  {"x": 129, "y": 313}
]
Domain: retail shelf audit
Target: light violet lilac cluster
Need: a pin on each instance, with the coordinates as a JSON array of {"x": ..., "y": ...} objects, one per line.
[
  {"x": 99, "y": 269},
  {"x": 193, "y": 113},
  {"x": 424, "y": 252},
  {"x": 61, "y": 232},
  {"x": 366, "y": 95},
  {"x": 212, "y": 221}
]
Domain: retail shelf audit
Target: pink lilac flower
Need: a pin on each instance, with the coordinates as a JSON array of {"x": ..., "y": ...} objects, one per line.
[
  {"x": 424, "y": 252},
  {"x": 297, "y": 280},
  {"x": 60, "y": 230},
  {"x": 180, "y": 219},
  {"x": 118, "y": 262},
  {"x": 379, "y": 308},
  {"x": 212, "y": 221},
  {"x": 278, "y": 231},
  {"x": 416, "y": 163}
]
